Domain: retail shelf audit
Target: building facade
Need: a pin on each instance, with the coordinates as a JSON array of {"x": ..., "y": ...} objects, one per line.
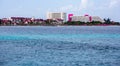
[
  {"x": 80, "y": 18},
  {"x": 97, "y": 18},
  {"x": 54, "y": 16},
  {"x": 69, "y": 17},
  {"x": 86, "y": 18}
]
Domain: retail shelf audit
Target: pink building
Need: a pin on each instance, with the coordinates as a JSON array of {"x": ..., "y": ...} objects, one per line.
[
  {"x": 90, "y": 17},
  {"x": 86, "y": 15},
  {"x": 69, "y": 17}
]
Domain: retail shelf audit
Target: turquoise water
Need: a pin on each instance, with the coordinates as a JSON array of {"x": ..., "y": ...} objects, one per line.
[{"x": 59, "y": 46}]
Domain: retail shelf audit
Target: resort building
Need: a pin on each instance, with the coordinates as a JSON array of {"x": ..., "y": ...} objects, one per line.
[
  {"x": 70, "y": 17},
  {"x": 97, "y": 18},
  {"x": 86, "y": 18},
  {"x": 80, "y": 18},
  {"x": 55, "y": 16}
]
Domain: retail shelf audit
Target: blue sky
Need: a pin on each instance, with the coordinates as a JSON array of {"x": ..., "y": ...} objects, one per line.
[{"x": 38, "y": 8}]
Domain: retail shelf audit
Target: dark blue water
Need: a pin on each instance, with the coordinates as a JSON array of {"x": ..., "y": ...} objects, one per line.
[{"x": 60, "y": 46}]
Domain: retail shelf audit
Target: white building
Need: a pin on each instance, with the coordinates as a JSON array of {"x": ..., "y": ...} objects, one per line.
[
  {"x": 80, "y": 18},
  {"x": 97, "y": 18},
  {"x": 86, "y": 18},
  {"x": 59, "y": 15}
]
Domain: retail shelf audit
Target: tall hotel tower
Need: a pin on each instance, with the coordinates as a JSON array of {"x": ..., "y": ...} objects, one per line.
[{"x": 57, "y": 15}]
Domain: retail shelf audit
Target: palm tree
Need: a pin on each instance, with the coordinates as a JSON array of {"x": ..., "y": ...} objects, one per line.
[{"x": 107, "y": 21}]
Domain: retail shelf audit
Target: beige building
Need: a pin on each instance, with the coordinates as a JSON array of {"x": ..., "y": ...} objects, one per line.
[{"x": 59, "y": 15}]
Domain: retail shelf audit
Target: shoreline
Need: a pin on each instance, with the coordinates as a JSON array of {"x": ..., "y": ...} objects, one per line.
[{"x": 58, "y": 25}]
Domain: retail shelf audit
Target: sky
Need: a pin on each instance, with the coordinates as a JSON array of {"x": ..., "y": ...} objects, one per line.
[{"x": 39, "y": 8}]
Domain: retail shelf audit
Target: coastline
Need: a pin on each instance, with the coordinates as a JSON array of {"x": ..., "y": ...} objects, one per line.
[{"x": 58, "y": 25}]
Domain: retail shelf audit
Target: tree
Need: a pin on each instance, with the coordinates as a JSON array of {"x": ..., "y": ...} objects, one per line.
[
  {"x": 0, "y": 21},
  {"x": 107, "y": 21}
]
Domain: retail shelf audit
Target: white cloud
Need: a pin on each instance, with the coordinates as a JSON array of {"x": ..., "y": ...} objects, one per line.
[
  {"x": 83, "y": 4},
  {"x": 87, "y": 5},
  {"x": 114, "y": 3},
  {"x": 63, "y": 8},
  {"x": 105, "y": 5},
  {"x": 66, "y": 8}
]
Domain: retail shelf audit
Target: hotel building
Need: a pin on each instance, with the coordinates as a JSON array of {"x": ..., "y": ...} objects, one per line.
[
  {"x": 86, "y": 18},
  {"x": 80, "y": 18},
  {"x": 55, "y": 16}
]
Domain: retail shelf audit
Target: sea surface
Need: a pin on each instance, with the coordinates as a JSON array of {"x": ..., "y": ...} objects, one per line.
[{"x": 59, "y": 46}]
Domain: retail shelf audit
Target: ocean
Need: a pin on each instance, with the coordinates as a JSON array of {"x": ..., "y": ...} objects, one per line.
[{"x": 59, "y": 46}]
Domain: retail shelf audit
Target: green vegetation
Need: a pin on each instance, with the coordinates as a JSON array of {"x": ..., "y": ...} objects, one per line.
[
  {"x": 74, "y": 23},
  {"x": 83, "y": 23},
  {"x": 106, "y": 22}
]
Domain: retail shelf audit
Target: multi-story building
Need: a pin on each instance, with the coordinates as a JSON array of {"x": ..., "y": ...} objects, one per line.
[
  {"x": 80, "y": 18},
  {"x": 86, "y": 18},
  {"x": 97, "y": 18},
  {"x": 54, "y": 16},
  {"x": 69, "y": 17}
]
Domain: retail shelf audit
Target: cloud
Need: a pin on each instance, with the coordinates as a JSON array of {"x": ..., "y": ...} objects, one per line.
[
  {"x": 66, "y": 8},
  {"x": 102, "y": 5},
  {"x": 88, "y": 6},
  {"x": 114, "y": 3},
  {"x": 72, "y": 7},
  {"x": 83, "y": 4}
]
